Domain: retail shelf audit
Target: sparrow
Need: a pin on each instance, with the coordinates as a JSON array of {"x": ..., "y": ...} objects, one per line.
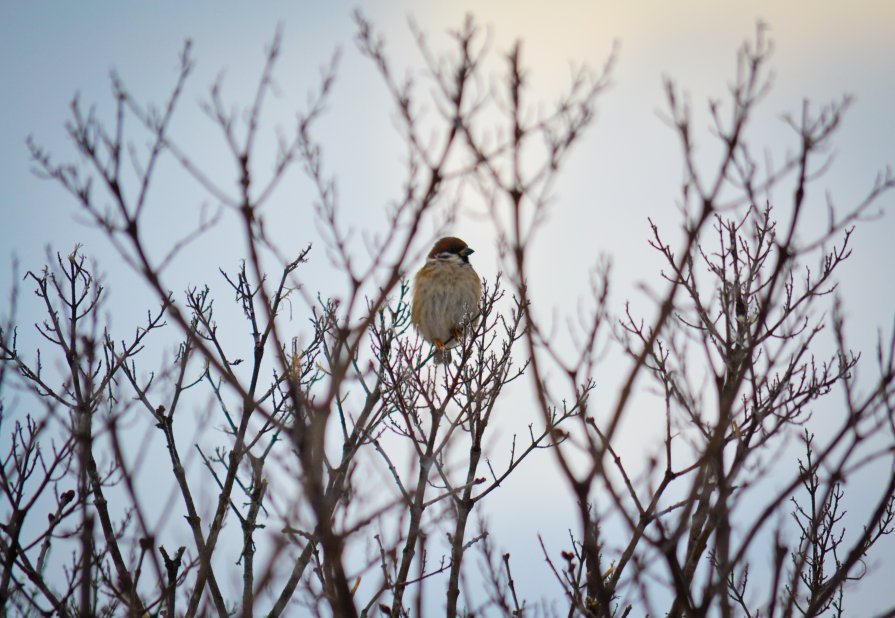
[{"x": 446, "y": 293}]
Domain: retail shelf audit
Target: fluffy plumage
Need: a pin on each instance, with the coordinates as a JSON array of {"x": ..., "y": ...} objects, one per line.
[{"x": 446, "y": 293}]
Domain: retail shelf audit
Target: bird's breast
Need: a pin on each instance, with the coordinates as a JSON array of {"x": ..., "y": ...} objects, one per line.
[{"x": 445, "y": 295}]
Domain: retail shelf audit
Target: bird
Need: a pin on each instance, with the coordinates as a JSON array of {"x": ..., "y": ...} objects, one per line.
[{"x": 446, "y": 293}]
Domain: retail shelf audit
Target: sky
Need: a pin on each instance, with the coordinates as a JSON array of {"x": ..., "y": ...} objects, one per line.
[{"x": 626, "y": 169}]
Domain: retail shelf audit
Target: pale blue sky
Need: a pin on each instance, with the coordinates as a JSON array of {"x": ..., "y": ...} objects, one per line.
[{"x": 626, "y": 169}]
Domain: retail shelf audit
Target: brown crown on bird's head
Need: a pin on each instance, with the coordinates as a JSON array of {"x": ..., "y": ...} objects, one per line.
[{"x": 451, "y": 245}]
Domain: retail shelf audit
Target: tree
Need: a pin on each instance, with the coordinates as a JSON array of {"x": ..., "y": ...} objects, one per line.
[{"x": 735, "y": 351}]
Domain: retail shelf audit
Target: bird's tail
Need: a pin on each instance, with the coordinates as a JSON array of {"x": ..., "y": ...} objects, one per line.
[{"x": 442, "y": 356}]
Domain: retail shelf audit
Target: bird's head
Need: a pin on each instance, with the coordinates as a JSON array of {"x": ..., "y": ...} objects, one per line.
[{"x": 450, "y": 249}]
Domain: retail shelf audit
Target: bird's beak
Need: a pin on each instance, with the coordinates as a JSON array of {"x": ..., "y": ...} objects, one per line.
[{"x": 466, "y": 252}]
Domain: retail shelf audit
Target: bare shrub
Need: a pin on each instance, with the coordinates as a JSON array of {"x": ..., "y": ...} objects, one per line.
[{"x": 315, "y": 428}]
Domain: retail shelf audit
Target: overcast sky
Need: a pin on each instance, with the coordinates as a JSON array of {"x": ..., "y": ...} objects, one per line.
[{"x": 626, "y": 169}]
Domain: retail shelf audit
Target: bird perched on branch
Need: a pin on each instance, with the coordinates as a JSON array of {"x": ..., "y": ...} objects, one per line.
[{"x": 446, "y": 294}]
